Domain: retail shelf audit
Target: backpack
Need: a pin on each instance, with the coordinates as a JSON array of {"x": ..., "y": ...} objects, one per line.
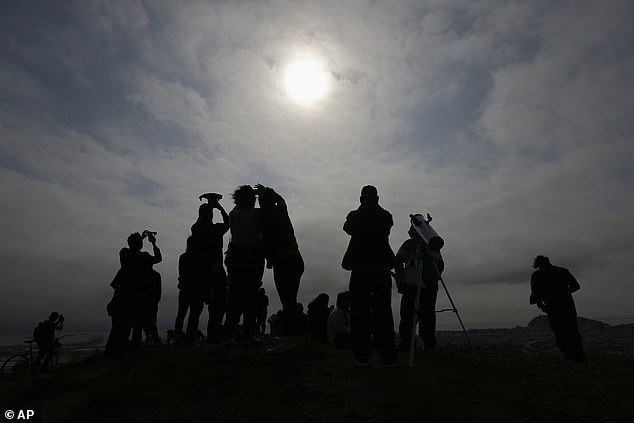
[{"x": 38, "y": 332}]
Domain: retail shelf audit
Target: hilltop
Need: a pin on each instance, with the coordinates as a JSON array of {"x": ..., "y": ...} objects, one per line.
[{"x": 319, "y": 383}]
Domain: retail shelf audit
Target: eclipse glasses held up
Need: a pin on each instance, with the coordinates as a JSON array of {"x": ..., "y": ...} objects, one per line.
[
  {"x": 147, "y": 233},
  {"x": 210, "y": 196}
]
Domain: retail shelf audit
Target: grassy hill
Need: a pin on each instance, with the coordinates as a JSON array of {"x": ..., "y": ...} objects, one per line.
[{"x": 318, "y": 383}]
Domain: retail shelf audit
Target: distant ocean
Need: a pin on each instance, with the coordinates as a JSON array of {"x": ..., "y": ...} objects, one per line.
[
  {"x": 91, "y": 338},
  {"x": 77, "y": 340}
]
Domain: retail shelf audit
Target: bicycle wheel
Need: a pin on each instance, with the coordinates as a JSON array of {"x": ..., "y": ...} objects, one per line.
[{"x": 15, "y": 366}]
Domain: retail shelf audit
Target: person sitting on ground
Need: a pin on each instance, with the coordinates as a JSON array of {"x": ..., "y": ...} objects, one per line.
[
  {"x": 44, "y": 335},
  {"x": 317, "y": 321},
  {"x": 339, "y": 321}
]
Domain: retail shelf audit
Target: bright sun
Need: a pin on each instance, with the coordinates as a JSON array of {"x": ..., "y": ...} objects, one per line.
[{"x": 306, "y": 81}]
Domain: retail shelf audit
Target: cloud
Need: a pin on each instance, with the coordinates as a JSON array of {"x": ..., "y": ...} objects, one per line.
[{"x": 509, "y": 123}]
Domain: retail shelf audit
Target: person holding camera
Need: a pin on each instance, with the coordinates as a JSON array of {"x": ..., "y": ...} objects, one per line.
[
  {"x": 44, "y": 335},
  {"x": 129, "y": 284},
  {"x": 415, "y": 252}
]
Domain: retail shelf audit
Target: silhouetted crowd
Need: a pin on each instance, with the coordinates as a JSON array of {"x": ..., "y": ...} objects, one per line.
[{"x": 263, "y": 237}]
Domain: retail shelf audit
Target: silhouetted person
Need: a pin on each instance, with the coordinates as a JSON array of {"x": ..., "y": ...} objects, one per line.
[
  {"x": 186, "y": 281},
  {"x": 244, "y": 261},
  {"x": 263, "y": 306},
  {"x": 408, "y": 256},
  {"x": 282, "y": 254},
  {"x": 44, "y": 335},
  {"x": 151, "y": 300},
  {"x": 551, "y": 289},
  {"x": 339, "y": 321},
  {"x": 210, "y": 281},
  {"x": 148, "y": 312},
  {"x": 129, "y": 286},
  {"x": 370, "y": 258},
  {"x": 317, "y": 319},
  {"x": 275, "y": 322}
]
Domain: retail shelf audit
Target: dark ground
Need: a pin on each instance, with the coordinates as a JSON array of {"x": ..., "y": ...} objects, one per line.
[{"x": 315, "y": 382}]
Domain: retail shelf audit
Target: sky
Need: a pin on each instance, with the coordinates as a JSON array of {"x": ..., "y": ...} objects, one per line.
[{"x": 510, "y": 122}]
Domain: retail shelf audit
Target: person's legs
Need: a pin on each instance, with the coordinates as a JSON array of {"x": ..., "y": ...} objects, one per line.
[
  {"x": 360, "y": 314},
  {"x": 183, "y": 306},
  {"x": 427, "y": 318},
  {"x": 382, "y": 315},
  {"x": 196, "y": 306},
  {"x": 217, "y": 308},
  {"x": 287, "y": 273},
  {"x": 151, "y": 327},
  {"x": 407, "y": 314},
  {"x": 563, "y": 319},
  {"x": 245, "y": 267}
]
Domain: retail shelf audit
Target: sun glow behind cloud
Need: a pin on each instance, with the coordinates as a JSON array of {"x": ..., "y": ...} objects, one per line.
[{"x": 306, "y": 81}]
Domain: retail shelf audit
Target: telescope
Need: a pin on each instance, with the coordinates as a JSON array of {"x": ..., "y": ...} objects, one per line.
[{"x": 426, "y": 232}]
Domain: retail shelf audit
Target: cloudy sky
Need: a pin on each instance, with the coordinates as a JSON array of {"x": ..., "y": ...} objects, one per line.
[{"x": 509, "y": 121}]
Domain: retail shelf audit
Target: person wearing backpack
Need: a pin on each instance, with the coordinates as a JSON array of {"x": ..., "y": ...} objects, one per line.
[{"x": 44, "y": 335}]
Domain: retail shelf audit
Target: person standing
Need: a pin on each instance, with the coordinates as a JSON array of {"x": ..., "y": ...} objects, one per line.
[
  {"x": 413, "y": 251},
  {"x": 551, "y": 290},
  {"x": 129, "y": 284},
  {"x": 210, "y": 281},
  {"x": 282, "y": 255},
  {"x": 44, "y": 335},
  {"x": 245, "y": 263},
  {"x": 370, "y": 258},
  {"x": 186, "y": 280}
]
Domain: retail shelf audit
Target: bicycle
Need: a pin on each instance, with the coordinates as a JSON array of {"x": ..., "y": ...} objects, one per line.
[{"x": 19, "y": 364}]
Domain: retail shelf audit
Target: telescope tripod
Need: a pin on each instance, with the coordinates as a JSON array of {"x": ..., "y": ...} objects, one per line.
[{"x": 419, "y": 276}]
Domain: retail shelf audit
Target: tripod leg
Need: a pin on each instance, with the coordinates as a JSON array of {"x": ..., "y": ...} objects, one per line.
[
  {"x": 412, "y": 342},
  {"x": 455, "y": 310}
]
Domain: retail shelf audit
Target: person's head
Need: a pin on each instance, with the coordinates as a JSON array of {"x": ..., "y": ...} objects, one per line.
[
  {"x": 343, "y": 300},
  {"x": 53, "y": 316},
  {"x": 541, "y": 261},
  {"x": 205, "y": 211},
  {"x": 262, "y": 291},
  {"x": 266, "y": 198},
  {"x": 369, "y": 195},
  {"x": 322, "y": 299},
  {"x": 135, "y": 241},
  {"x": 244, "y": 196}
]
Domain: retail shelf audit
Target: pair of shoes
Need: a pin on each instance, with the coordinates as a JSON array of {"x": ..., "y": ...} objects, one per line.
[{"x": 362, "y": 361}]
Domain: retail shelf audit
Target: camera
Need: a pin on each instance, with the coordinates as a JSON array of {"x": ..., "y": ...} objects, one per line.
[{"x": 147, "y": 233}]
